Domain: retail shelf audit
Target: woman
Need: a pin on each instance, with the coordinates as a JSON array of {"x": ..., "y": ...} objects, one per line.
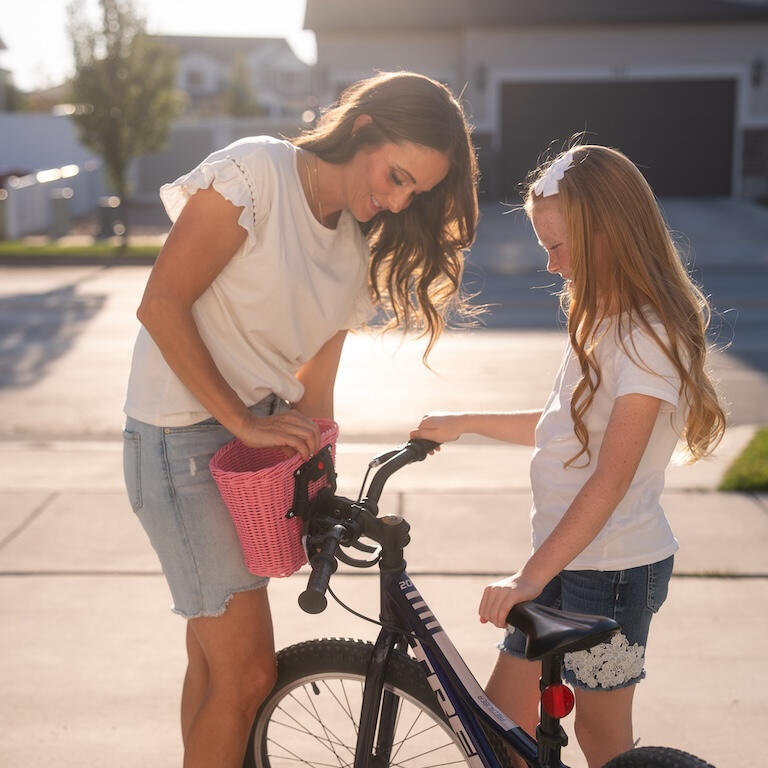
[{"x": 277, "y": 249}]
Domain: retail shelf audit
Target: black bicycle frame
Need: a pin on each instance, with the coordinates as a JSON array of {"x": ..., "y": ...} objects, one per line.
[{"x": 460, "y": 695}]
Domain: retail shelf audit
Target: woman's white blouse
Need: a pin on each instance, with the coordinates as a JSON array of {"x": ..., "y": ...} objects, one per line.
[{"x": 289, "y": 288}]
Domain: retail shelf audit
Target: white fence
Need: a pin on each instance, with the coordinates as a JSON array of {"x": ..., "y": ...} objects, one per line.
[{"x": 44, "y": 202}]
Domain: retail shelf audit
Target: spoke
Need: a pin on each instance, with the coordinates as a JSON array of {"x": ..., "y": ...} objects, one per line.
[
  {"x": 407, "y": 735},
  {"x": 345, "y": 706},
  {"x": 460, "y": 761},
  {"x": 303, "y": 729},
  {"x": 323, "y": 726},
  {"x": 349, "y": 706},
  {"x": 331, "y": 738},
  {"x": 431, "y": 751},
  {"x": 298, "y": 759}
]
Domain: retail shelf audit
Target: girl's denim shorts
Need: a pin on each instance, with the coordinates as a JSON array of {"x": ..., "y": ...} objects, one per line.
[
  {"x": 630, "y": 597},
  {"x": 177, "y": 501}
]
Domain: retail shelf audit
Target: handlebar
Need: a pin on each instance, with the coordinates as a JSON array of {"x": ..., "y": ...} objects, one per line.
[
  {"x": 313, "y": 599},
  {"x": 414, "y": 450},
  {"x": 323, "y": 560}
]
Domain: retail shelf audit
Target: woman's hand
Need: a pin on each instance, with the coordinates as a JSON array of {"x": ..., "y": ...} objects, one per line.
[
  {"x": 289, "y": 429},
  {"x": 500, "y": 597},
  {"x": 440, "y": 427}
]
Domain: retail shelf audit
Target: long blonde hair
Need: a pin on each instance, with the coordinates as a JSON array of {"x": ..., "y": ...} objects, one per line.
[
  {"x": 417, "y": 254},
  {"x": 606, "y": 200}
]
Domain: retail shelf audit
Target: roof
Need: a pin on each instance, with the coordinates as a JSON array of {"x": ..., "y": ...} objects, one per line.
[
  {"x": 348, "y": 15},
  {"x": 225, "y": 48}
]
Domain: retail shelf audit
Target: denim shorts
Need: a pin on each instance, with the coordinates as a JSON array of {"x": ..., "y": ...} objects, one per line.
[
  {"x": 177, "y": 501},
  {"x": 630, "y": 597}
]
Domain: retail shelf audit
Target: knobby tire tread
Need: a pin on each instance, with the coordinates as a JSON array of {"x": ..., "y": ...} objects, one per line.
[{"x": 656, "y": 757}]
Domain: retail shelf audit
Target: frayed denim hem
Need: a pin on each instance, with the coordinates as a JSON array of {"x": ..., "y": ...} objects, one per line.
[{"x": 223, "y": 608}]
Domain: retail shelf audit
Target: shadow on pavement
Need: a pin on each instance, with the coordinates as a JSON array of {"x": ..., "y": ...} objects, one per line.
[{"x": 38, "y": 328}]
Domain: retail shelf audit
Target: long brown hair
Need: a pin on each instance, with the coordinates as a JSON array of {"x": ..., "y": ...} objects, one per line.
[
  {"x": 417, "y": 255},
  {"x": 636, "y": 267}
]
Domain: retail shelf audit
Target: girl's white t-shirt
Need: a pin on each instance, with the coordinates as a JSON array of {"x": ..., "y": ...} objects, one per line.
[
  {"x": 289, "y": 288},
  {"x": 637, "y": 532}
]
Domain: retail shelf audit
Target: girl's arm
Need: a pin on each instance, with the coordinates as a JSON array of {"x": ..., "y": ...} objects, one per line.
[
  {"x": 201, "y": 243},
  {"x": 626, "y": 438},
  {"x": 517, "y": 427},
  {"x": 318, "y": 376}
]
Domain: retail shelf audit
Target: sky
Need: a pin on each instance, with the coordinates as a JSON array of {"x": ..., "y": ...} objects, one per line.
[{"x": 35, "y": 31}]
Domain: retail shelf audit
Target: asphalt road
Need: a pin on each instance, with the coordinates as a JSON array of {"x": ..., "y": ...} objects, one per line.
[{"x": 66, "y": 335}]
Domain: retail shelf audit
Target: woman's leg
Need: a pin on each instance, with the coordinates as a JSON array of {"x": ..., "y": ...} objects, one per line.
[
  {"x": 195, "y": 682},
  {"x": 604, "y": 723},
  {"x": 238, "y": 649}
]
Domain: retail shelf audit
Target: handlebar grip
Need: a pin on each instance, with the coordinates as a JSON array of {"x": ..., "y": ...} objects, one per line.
[
  {"x": 313, "y": 599},
  {"x": 422, "y": 447}
]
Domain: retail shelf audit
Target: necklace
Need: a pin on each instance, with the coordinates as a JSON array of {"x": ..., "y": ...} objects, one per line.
[{"x": 314, "y": 188}]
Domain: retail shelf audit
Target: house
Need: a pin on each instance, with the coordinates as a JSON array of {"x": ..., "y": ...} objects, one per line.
[
  {"x": 279, "y": 80},
  {"x": 680, "y": 85}
]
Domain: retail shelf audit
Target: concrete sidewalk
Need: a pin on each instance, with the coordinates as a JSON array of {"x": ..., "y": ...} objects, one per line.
[{"x": 93, "y": 659}]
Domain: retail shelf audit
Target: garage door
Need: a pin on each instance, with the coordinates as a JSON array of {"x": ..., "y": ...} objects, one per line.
[{"x": 680, "y": 133}]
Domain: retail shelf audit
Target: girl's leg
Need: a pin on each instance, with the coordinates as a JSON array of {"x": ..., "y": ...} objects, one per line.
[
  {"x": 514, "y": 688},
  {"x": 604, "y": 723},
  {"x": 238, "y": 650}
]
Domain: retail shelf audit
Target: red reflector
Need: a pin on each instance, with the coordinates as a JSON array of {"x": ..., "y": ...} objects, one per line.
[
  {"x": 320, "y": 465},
  {"x": 557, "y": 700}
]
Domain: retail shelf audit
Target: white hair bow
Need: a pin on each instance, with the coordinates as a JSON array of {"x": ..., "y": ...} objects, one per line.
[{"x": 546, "y": 186}]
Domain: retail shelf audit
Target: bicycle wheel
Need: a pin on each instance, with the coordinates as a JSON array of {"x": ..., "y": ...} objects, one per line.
[
  {"x": 311, "y": 716},
  {"x": 656, "y": 757}
]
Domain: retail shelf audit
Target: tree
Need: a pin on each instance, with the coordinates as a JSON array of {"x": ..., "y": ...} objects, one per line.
[
  {"x": 124, "y": 86},
  {"x": 238, "y": 97}
]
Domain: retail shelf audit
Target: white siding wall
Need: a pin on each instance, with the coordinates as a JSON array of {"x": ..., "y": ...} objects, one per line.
[
  {"x": 33, "y": 142},
  {"x": 346, "y": 58}
]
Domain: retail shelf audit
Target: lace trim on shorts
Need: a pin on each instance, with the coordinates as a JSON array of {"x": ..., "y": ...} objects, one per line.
[{"x": 607, "y": 664}]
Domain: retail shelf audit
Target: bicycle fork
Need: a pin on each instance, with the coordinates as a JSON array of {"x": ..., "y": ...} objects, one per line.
[{"x": 377, "y": 708}]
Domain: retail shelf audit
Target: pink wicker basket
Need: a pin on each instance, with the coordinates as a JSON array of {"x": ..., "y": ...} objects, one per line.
[{"x": 257, "y": 486}]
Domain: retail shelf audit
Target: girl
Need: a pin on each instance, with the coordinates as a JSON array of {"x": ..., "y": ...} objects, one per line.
[
  {"x": 276, "y": 250},
  {"x": 631, "y": 382}
]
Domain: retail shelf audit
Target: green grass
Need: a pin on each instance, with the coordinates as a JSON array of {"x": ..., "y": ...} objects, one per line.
[
  {"x": 13, "y": 250},
  {"x": 749, "y": 472}
]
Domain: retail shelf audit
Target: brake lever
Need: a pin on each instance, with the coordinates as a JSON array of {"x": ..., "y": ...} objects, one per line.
[{"x": 357, "y": 562}]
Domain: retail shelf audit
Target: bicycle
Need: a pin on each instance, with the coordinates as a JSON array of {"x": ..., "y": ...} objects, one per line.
[{"x": 352, "y": 703}]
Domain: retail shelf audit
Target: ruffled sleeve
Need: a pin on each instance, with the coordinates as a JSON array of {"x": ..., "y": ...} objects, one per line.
[{"x": 228, "y": 170}]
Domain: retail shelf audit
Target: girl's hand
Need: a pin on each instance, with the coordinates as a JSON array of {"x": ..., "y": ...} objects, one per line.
[
  {"x": 500, "y": 597},
  {"x": 289, "y": 429},
  {"x": 439, "y": 427}
]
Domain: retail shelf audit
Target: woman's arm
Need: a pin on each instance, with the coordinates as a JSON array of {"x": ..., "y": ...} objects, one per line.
[
  {"x": 318, "y": 376},
  {"x": 517, "y": 427},
  {"x": 626, "y": 438},
  {"x": 201, "y": 243}
]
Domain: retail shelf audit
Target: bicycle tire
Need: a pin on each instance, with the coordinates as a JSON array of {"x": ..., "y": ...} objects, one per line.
[
  {"x": 656, "y": 757},
  {"x": 310, "y": 717}
]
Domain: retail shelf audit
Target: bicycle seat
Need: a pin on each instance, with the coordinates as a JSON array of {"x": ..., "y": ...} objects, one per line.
[{"x": 549, "y": 631}]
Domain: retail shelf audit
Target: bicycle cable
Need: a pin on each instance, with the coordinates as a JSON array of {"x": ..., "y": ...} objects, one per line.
[
  {"x": 362, "y": 487},
  {"x": 385, "y": 625}
]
